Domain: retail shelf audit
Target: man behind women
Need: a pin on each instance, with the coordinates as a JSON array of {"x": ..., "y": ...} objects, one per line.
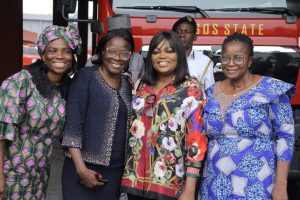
[
  {"x": 200, "y": 65},
  {"x": 32, "y": 111},
  {"x": 136, "y": 63},
  {"x": 97, "y": 122},
  {"x": 250, "y": 126}
]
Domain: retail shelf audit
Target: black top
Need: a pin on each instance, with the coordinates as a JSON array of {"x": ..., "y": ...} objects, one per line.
[
  {"x": 118, "y": 148},
  {"x": 92, "y": 113}
]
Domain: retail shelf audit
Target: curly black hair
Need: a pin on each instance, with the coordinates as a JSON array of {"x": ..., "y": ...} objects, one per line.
[{"x": 240, "y": 38}]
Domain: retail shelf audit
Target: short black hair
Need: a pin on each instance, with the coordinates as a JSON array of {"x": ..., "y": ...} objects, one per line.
[
  {"x": 110, "y": 35},
  {"x": 73, "y": 69},
  {"x": 240, "y": 38},
  {"x": 149, "y": 75}
]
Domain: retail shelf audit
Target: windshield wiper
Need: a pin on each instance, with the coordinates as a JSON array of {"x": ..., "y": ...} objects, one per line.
[
  {"x": 268, "y": 10},
  {"x": 185, "y": 9}
]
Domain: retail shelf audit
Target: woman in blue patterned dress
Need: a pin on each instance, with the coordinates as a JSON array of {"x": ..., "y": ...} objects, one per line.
[
  {"x": 32, "y": 110},
  {"x": 250, "y": 126}
]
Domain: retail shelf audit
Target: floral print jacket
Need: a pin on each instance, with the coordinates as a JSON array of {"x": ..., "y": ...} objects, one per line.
[{"x": 166, "y": 142}]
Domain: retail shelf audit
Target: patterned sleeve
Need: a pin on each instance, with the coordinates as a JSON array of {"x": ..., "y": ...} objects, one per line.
[
  {"x": 283, "y": 127},
  {"x": 75, "y": 110},
  {"x": 196, "y": 142},
  {"x": 12, "y": 99}
]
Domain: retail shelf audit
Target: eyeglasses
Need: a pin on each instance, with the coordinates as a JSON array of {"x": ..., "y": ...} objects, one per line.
[
  {"x": 112, "y": 53},
  {"x": 237, "y": 59}
]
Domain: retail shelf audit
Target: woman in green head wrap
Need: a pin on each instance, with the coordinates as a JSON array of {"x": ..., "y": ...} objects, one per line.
[{"x": 32, "y": 111}]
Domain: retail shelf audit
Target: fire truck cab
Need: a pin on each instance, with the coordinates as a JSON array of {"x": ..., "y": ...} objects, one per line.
[{"x": 274, "y": 26}]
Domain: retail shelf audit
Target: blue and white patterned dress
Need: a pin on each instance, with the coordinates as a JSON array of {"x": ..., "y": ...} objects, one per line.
[{"x": 256, "y": 130}]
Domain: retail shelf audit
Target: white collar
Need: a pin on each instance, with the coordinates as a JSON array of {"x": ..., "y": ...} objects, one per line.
[{"x": 192, "y": 55}]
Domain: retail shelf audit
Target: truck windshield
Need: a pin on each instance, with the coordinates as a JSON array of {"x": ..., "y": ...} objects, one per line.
[{"x": 213, "y": 8}]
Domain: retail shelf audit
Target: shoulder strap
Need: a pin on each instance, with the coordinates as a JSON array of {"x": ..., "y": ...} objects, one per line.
[{"x": 205, "y": 70}]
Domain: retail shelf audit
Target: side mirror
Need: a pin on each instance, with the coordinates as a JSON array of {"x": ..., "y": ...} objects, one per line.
[
  {"x": 69, "y": 6},
  {"x": 294, "y": 6}
]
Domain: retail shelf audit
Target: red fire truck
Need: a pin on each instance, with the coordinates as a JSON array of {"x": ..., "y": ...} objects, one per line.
[{"x": 274, "y": 25}]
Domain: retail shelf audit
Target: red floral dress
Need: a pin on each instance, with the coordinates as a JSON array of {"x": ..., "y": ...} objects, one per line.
[{"x": 166, "y": 141}]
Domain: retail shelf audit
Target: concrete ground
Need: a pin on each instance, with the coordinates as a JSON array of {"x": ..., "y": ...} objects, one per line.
[{"x": 54, "y": 187}]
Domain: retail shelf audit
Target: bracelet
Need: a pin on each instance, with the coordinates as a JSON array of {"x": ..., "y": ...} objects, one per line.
[
  {"x": 189, "y": 175},
  {"x": 282, "y": 180},
  {"x": 192, "y": 170}
]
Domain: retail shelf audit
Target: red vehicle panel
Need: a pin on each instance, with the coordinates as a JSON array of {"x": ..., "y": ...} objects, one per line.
[
  {"x": 276, "y": 32},
  {"x": 30, "y": 55}
]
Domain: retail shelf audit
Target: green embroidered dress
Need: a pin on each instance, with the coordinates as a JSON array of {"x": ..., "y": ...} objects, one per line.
[{"x": 29, "y": 122}]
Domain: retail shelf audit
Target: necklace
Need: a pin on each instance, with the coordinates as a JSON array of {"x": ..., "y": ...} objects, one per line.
[
  {"x": 241, "y": 92},
  {"x": 226, "y": 99},
  {"x": 111, "y": 82},
  {"x": 244, "y": 89}
]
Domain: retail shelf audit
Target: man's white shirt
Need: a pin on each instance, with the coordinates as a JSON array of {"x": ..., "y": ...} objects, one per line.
[{"x": 197, "y": 62}]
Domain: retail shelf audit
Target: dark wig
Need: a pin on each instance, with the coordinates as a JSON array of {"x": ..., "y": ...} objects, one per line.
[
  {"x": 240, "y": 38},
  {"x": 73, "y": 69},
  {"x": 124, "y": 33},
  {"x": 149, "y": 74},
  {"x": 39, "y": 71}
]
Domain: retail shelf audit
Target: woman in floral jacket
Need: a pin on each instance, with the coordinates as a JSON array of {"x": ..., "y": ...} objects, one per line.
[{"x": 166, "y": 143}]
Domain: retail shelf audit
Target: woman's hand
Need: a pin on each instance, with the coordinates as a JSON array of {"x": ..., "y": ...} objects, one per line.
[
  {"x": 189, "y": 189},
  {"x": 280, "y": 187},
  {"x": 280, "y": 190},
  {"x": 186, "y": 195},
  {"x": 90, "y": 178},
  {"x": 2, "y": 187}
]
